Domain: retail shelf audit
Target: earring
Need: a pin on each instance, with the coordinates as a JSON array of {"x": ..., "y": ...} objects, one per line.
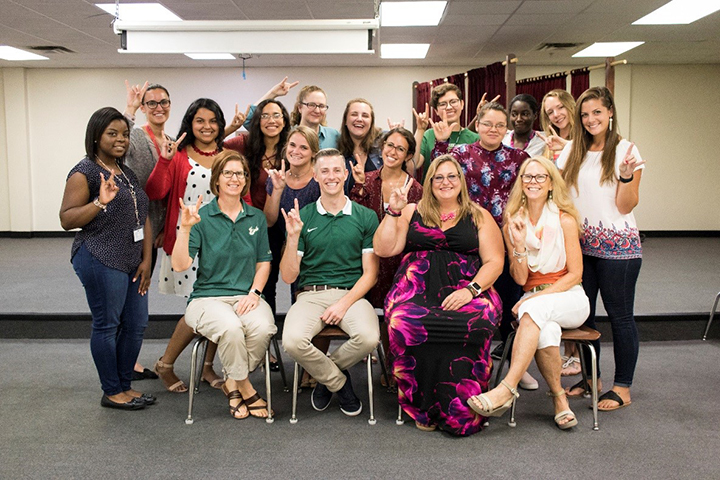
[
  {"x": 550, "y": 195},
  {"x": 611, "y": 123},
  {"x": 522, "y": 201}
]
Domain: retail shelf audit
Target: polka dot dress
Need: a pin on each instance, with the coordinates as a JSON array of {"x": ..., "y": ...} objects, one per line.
[{"x": 180, "y": 283}]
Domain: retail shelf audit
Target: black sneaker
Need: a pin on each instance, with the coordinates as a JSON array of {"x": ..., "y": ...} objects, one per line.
[
  {"x": 498, "y": 351},
  {"x": 350, "y": 404},
  {"x": 320, "y": 397}
]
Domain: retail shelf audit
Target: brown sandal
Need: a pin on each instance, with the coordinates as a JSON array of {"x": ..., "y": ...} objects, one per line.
[
  {"x": 177, "y": 387},
  {"x": 234, "y": 395},
  {"x": 217, "y": 383},
  {"x": 251, "y": 408}
]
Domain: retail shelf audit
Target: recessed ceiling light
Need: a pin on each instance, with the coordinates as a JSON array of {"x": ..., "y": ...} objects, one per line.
[
  {"x": 680, "y": 12},
  {"x": 15, "y": 54},
  {"x": 131, "y": 12},
  {"x": 607, "y": 49},
  {"x": 411, "y": 14},
  {"x": 404, "y": 50},
  {"x": 211, "y": 56}
]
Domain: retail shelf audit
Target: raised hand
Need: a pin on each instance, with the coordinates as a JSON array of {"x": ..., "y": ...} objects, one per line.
[
  {"x": 168, "y": 147},
  {"x": 441, "y": 128},
  {"x": 108, "y": 188},
  {"x": 554, "y": 142},
  {"x": 135, "y": 94},
  {"x": 422, "y": 119},
  {"x": 189, "y": 215},
  {"x": 629, "y": 163},
  {"x": 483, "y": 101},
  {"x": 239, "y": 117},
  {"x": 278, "y": 177},
  {"x": 282, "y": 88},
  {"x": 400, "y": 124},
  {"x": 358, "y": 173},
  {"x": 518, "y": 229},
  {"x": 293, "y": 224},
  {"x": 398, "y": 198}
]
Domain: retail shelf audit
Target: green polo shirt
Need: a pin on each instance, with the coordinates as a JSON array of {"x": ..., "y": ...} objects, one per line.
[
  {"x": 227, "y": 251},
  {"x": 464, "y": 136},
  {"x": 332, "y": 246}
]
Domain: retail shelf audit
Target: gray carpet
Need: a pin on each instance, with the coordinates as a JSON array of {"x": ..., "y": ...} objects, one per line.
[{"x": 53, "y": 427}]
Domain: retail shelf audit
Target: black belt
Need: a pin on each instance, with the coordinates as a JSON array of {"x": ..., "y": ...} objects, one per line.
[{"x": 318, "y": 288}]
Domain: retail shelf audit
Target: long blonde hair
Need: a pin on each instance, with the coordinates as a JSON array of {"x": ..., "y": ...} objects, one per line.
[
  {"x": 429, "y": 207},
  {"x": 582, "y": 139},
  {"x": 560, "y": 191},
  {"x": 567, "y": 101}
]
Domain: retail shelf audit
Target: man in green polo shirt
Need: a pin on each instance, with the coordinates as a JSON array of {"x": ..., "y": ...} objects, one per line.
[{"x": 329, "y": 250}]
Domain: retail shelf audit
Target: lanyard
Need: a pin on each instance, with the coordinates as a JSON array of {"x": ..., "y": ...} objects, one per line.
[{"x": 152, "y": 137}]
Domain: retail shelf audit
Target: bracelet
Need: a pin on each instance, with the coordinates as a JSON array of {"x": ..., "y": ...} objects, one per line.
[
  {"x": 627, "y": 180},
  {"x": 392, "y": 212},
  {"x": 519, "y": 255},
  {"x": 99, "y": 204}
]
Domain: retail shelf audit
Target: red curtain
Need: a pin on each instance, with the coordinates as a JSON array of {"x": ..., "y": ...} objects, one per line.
[
  {"x": 579, "y": 81},
  {"x": 422, "y": 96},
  {"x": 490, "y": 79},
  {"x": 539, "y": 86}
]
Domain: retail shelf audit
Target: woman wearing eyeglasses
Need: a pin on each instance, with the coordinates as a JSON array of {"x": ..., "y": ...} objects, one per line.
[
  {"x": 542, "y": 236},
  {"x": 227, "y": 239},
  {"x": 309, "y": 111},
  {"x": 441, "y": 310}
]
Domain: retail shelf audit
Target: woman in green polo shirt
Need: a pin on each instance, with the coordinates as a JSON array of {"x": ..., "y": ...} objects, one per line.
[{"x": 226, "y": 305}]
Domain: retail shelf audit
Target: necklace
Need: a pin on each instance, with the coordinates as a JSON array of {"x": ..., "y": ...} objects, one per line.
[
  {"x": 446, "y": 217},
  {"x": 205, "y": 154},
  {"x": 130, "y": 187},
  {"x": 297, "y": 175}
]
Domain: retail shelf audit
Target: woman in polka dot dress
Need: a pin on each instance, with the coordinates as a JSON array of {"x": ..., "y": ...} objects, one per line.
[{"x": 183, "y": 171}]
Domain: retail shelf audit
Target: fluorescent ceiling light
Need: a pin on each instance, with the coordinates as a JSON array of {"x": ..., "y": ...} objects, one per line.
[
  {"x": 411, "y": 14},
  {"x": 15, "y": 54},
  {"x": 404, "y": 50},
  {"x": 680, "y": 12},
  {"x": 607, "y": 49},
  {"x": 248, "y": 36},
  {"x": 211, "y": 56},
  {"x": 141, "y": 12}
]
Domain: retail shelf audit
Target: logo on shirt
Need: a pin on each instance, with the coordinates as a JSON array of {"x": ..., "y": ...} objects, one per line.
[
  {"x": 252, "y": 230},
  {"x": 311, "y": 229}
]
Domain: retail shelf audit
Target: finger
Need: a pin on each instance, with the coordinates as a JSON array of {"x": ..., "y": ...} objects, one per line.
[
  {"x": 285, "y": 215},
  {"x": 182, "y": 204},
  {"x": 430, "y": 120},
  {"x": 247, "y": 111},
  {"x": 427, "y": 110},
  {"x": 443, "y": 115},
  {"x": 552, "y": 130},
  {"x": 629, "y": 151},
  {"x": 482, "y": 99},
  {"x": 405, "y": 188},
  {"x": 297, "y": 206},
  {"x": 180, "y": 138},
  {"x": 237, "y": 109},
  {"x": 542, "y": 135},
  {"x": 390, "y": 126},
  {"x": 417, "y": 115},
  {"x": 199, "y": 203},
  {"x": 127, "y": 85}
]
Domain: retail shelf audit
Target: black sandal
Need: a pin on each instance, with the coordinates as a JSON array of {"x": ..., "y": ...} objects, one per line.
[{"x": 581, "y": 384}]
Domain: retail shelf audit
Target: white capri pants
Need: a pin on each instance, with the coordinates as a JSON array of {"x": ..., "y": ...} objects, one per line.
[
  {"x": 555, "y": 311},
  {"x": 242, "y": 339}
]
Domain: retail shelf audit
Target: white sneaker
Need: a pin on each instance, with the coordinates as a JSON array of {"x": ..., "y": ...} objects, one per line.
[{"x": 527, "y": 382}]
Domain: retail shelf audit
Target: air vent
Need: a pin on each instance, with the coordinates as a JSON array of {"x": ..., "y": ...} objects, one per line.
[
  {"x": 558, "y": 46},
  {"x": 50, "y": 49}
]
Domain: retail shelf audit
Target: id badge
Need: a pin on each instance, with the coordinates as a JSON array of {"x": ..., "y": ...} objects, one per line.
[{"x": 139, "y": 234}]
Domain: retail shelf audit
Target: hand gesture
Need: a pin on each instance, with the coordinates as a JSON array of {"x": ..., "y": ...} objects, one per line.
[
  {"x": 398, "y": 198},
  {"x": 400, "y": 124},
  {"x": 135, "y": 94},
  {"x": 247, "y": 304},
  {"x": 278, "y": 177},
  {"x": 518, "y": 229},
  {"x": 168, "y": 147},
  {"x": 422, "y": 119},
  {"x": 239, "y": 118},
  {"x": 457, "y": 299},
  {"x": 108, "y": 188},
  {"x": 554, "y": 142},
  {"x": 190, "y": 215},
  {"x": 293, "y": 224},
  {"x": 442, "y": 129},
  {"x": 629, "y": 163},
  {"x": 358, "y": 173},
  {"x": 483, "y": 101},
  {"x": 282, "y": 88}
]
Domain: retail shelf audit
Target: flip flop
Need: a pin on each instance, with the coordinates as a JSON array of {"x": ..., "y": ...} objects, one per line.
[
  {"x": 611, "y": 395},
  {"x": 581, "y": 384}
]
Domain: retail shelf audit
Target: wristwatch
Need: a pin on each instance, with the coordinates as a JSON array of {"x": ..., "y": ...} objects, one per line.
[
  {"x": 256, "y": 292},
  {"x": 474, "y": 288},
  {"x": 99, "y": 204}
]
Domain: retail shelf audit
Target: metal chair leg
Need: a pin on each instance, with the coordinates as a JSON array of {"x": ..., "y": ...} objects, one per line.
[
  {"x": 293, "y": 417},
  {"x": 278, "y": 356},
  {"x": 268, "y": 387},
  {"x": 371, "y": 420},
  {"x": 593, "y": 361},
  {"x": 194, "y": 377},
  {"x": 381, "y": 359},
  {"x": 712, "y": 314},
  {"x": 506, "y": 352},
  {"x": 399, "y": 420}
]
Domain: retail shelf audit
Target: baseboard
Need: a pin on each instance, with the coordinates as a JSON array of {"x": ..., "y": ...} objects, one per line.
[{"x": 59, "y": 234}]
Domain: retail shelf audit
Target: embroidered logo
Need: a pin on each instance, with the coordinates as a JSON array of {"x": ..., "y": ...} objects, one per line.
[
  {"x": 311, "y": 229},
  {"x": 252, "y": 230}
]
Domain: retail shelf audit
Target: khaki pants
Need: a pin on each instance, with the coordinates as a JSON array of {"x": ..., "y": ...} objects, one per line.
[
  {"x": 242, "y": 340},
  {"x": 303, "y": 323}
]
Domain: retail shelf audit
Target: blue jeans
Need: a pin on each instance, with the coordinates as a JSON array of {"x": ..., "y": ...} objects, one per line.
[
  {"x": 615, "y": 280},
  {"x": 119, "y": 317}
]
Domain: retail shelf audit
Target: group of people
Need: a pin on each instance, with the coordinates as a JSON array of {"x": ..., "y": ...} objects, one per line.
[{"x": 452, "y": 232}]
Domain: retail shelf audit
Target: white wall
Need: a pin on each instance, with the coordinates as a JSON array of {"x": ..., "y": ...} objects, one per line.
[{"x": 44, "y": 113}]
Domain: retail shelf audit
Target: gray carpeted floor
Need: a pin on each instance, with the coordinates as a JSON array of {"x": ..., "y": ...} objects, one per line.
[{"x": 53, "y": 427}]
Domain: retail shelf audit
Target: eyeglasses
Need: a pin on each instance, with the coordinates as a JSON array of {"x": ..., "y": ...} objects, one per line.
[
  {"x": 230, "y": 173},
  {"x": 452, "y": 178},
  {"x": 539, "y": 178},
  {"x": 490, "y": 126},
  {"x": 152, "y": 104},
  {"x": 398, "y": 148},
  {"x": 313, "y": 105},
  {"x": 274, "y": 116},
  {"x": 453, "y": 103}
]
